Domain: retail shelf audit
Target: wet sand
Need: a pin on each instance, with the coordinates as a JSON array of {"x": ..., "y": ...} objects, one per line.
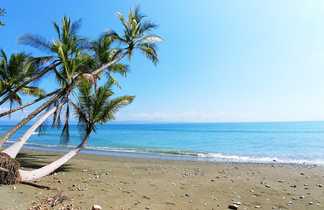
[{"x": 123, "y": 183}]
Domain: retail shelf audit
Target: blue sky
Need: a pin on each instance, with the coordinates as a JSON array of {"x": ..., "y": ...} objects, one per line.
[{"x": 242, "y": 60}]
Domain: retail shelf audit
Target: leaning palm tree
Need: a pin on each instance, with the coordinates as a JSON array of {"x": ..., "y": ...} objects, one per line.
[
  {"x": 94, "y": 106},
  {"x": 75, "y": 63},
  {"x": 66, "y": 53},
  {"x": 15, "y": 69}
]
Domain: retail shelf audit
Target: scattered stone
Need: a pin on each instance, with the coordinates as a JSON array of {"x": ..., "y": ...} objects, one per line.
[
  {"x": 257, "y": 207},
  {"x": 170, "y": 203},
  {"x": 310, "y": 203},
  {"x": 301, "y": 197},
  {"x": 237, "y": 203},
  {"x": 146, "y": 197},
  {"x": 96, "y": 207},
  {"x": 233, "y": 206},
  {"x": 267, "y": 186},
  {"x": 187, "y": 195},
  {"x": 293, "y": 186},
  {"x": 290, "y": 203},
  {"x": 319, "y": 185}
]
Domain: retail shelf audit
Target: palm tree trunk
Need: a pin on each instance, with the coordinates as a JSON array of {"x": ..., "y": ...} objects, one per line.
[
  {"x": 23, "y": 122},
  {"x": 28, "y": 104},
  {"x": 50, "y": 168},
  {"x": 14, "y": 149},
  {"x": 107, "y": 65}
]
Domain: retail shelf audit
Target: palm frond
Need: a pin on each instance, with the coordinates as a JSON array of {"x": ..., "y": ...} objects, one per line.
[
  {"x": 36, "y": 41},
  {"x": 34, "y": 91},
  {"x": 149, "y": 50}
]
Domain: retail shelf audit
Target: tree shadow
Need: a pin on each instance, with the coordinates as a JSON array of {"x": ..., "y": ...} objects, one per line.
[{"x": 35, "y": 161}]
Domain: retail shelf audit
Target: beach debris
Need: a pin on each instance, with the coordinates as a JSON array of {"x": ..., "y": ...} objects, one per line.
[
  {"x": 96, "y": 207},
  {"x": 51, "y": 202}
]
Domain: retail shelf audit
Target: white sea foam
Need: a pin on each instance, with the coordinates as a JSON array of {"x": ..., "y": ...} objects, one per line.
[
  {"x": 215, "y": 157},
  {"x": 254, "y": 159}
]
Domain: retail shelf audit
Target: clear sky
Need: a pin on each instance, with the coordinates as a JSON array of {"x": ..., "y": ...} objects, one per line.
[{"x": 233, "y": 60}]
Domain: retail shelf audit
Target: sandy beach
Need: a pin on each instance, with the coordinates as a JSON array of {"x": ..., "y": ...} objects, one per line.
[{"x": 122, "y": 183}]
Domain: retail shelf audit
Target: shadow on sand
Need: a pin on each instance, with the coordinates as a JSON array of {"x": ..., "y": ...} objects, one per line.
[{"x": 35, "y": 161}]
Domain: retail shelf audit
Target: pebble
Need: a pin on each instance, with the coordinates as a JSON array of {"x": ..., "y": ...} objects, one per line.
[
  {"x": 96, "y": 207},
  {"x": 257, "y": 207},
  {"x": 233, "y": 206}
]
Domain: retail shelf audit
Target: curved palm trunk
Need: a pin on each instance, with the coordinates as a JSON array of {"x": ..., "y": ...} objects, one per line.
[
  {"x": 50, "y": 168},
  {"x": 23, "y": 122},
  {"x": 28, "y": 104},
  {"x": 14, "y": 149},
  {"x": 107, "y": 65}
]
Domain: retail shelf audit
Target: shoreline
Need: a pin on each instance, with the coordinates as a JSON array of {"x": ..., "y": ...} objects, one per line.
[
  {"x": 133, "y": 183},
  {"x": 170, "y": 155}
]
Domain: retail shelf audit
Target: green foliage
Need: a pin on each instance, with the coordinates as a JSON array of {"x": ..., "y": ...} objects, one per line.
[
  {"x": 80, "y": 64},
  {"x": 137, "y": 34},
  {"x": 96, "y": 105},
  {"x": 13, "y": 71}
]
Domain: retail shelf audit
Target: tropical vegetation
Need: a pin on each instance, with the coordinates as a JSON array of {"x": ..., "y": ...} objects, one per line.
[{"x": 84, "y": 71}]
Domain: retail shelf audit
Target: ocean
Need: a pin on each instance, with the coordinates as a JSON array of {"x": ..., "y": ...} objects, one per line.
[{"x": 283, "y": 142}]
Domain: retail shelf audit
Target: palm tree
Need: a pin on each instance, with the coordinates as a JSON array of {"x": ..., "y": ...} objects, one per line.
[
  {"x": 94, "y": 106},
  {"x": 68, "y": 60},
  {"x": 137, "y": 35},
  {"x": 15, "y": 69},
  {"x": 73, "y": 62}
]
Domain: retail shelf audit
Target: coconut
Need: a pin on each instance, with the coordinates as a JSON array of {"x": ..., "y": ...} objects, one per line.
[{"x": 9, "y": 170}]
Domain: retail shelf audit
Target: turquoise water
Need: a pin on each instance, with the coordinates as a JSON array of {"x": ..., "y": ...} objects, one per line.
[{"x": 291, "y": 142}]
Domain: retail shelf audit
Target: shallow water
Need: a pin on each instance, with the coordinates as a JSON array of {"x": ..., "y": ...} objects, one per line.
[{"x": 289, "y": 142}]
